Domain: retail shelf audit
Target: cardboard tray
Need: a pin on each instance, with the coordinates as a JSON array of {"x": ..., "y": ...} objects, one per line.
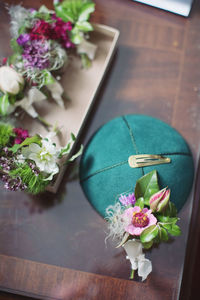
[{"x": 81, "y": 87}]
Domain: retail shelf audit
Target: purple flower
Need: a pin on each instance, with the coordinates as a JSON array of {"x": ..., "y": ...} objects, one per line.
[
  {"x": 32, "y": 10},
  {"x": 35, "y": 54},
  {"x": 127, "y": 199},
  {"x": 13, "y": 184},
  {"x": 23, "y": 39}
]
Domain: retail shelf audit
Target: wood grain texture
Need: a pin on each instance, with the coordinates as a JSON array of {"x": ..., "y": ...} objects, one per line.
[{"x": 52, "y": 246}]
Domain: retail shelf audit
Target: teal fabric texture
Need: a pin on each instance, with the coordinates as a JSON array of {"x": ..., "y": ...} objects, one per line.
[{"x": 104, "y": 169}]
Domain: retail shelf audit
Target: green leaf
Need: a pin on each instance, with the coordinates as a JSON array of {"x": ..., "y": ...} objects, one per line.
[
  {"x": 76, "y": 154},
  {"x": 163, "y": 235},
  {"x": 15, "y": 46},
  {"x": 85, "y": 11},
  {"x": 166, "y": 226},
  {"x": 21, "y": 30},
  {"x": 4, "y": 104},
  {"x": 12, "y": 99},
  {"x": 170, "y": 210},
  {"x": 86, "y": 62},
  {"x": 73, "y": 137},
  {"x": 34, "y": 139},
  {"x": 157, "y": 239},
  {"x": 13, "y": 58},
  {"x": 140, "y": 202},
  {"x": 166, "y": 219},
  {"x": 47, "y": 78},
  {"x": 84, "y": 26},
  {"x": 44, "y": 10},
  {"x": 64, "y": 14},
  {"x": 76, "y": 37},
  {"x": 175, "y": 230},
  {"x": 149, "y": 234},
  {"x": 147, "y": 245},
  {"x": 146, "y": 186}
]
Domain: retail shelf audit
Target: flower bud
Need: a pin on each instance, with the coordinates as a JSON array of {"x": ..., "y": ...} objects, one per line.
[
  {"x": 159, "y": 201},
  {"x": 10, "y": 81}
]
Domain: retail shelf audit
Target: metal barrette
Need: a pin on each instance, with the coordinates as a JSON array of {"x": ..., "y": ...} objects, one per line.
[{"x": 145, "y": 160}]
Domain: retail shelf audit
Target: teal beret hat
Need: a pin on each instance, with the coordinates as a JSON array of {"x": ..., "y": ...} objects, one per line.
[{"x": 105, "y": 171}]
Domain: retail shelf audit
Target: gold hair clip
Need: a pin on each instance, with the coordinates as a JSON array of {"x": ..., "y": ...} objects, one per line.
[{"x": 145, "y": 160}]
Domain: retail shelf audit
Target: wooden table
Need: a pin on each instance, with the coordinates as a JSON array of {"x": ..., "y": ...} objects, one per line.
[{"x": 52, "y": 246}]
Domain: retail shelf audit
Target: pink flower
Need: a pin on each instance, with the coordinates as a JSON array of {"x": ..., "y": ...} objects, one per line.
[
  {"x": 21, "y": 135},
  {"x": 127, "y": 199},
  {"x": 138, "y": 219}
]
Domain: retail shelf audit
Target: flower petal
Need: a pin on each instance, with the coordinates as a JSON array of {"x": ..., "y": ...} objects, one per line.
[
  {"x": 133, "y": 248},
  {"x": 144, "y": 267}
]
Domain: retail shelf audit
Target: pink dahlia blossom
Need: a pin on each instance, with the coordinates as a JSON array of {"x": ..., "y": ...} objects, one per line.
[{"x": 139, "y": 219}]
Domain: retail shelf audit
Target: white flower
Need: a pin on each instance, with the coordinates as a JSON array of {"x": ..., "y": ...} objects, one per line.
[
  {"x": 10, "y": 81},
  {"x": 88, "y": 48},
  {"x": 45, "y": 157},
  {"x": 34, "y": 95},
  {"x": 138, "y": 261},
  {"x": 20, "y": 159},
  {"x": 56, "y": 90}
]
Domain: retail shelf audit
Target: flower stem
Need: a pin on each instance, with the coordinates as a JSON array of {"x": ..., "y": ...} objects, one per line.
[
  {"x": 132, "y": 274},
  {"x": 44, "y": 122}
]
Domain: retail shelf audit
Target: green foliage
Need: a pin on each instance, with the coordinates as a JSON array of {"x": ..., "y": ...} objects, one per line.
[
  {"x": 147, "y": 245},
  {"x": 146, "y": 186},
  {"x": 35, "y": 183},
  {"x": 149, "y": 234},
  {"x": 140, "y": 202},
  {"x": 34, "y": 139},
  {"x": 78, "y": 12},
  {"x": 6, "y": 132},
  {"x": 43, "y": 13},
  {"x": 86, "y": 62},
  {"x": 4, "y": 105},
  {"x": 170, "y": 211},
  {"x": 74, "y": 10},
  {"x": 15, "y": 46}
]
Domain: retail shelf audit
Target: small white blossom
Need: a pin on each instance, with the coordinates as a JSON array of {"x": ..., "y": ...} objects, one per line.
[
  {"x": 33, "y": 95},
  {"x": 45, "y": 156},
  {"x": 88, "y": 48},
  {"x": 10, "y": 81},
  {"x": 138, "y": 261}
]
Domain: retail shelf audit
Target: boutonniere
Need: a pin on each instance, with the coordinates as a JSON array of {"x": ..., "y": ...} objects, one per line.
[
  {"x": 141, "y": 218},
  {"x": 30, "y": 162}
]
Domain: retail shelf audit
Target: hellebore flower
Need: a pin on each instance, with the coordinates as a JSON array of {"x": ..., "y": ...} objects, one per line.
[
  {"x": 44, "y": 156},
  {"x": 139, "y": 220},
  {"x": 160, "y": 200},
  {"x": 10, "y": 81}
]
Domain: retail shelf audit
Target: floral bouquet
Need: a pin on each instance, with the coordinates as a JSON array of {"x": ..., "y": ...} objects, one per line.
[
  {"x": 141, "y": 219},
  {"x": 30, "y": 162},
  {"x": 42, "y": 41}
]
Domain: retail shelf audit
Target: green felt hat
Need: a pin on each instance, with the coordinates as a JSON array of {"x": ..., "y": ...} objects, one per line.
[{"x": 105, "y": 172}]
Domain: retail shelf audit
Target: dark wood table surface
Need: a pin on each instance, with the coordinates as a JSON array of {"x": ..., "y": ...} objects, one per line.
[{"x": 52, "y": 246}]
